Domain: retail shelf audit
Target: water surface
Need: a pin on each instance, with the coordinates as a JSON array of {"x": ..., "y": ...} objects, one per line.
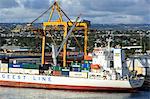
[{"x": 29, "y": 93}]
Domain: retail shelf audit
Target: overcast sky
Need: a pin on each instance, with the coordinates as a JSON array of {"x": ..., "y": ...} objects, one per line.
[{"x": 97, "y": 11}]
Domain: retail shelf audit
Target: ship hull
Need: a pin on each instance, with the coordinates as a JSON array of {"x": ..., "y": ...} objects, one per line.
[
  {"x": 64, "y": 87},
  {"x": 52, "y": 82}
]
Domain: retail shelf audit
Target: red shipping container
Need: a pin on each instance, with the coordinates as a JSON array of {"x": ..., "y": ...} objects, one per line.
[{"x": 56, "y": 73}]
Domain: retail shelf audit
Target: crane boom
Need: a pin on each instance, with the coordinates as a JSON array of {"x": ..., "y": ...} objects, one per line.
[
  {"x": 54, "y": 50},
  {"x": 65, "y": 39}
]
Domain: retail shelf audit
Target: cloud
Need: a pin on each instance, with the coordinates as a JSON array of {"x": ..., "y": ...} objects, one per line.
[
  {"x": 108, "y": 5},
  {"x": 97, "y": 11},
  {"x": 8, "y": 4},
  {"x": 36, "y": 4},
  {"x": 20, "y": 15},
  {"x": 137, "y": 11}
]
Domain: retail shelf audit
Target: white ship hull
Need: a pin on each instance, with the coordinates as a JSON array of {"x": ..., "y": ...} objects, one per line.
[{"x": 58, "y": 82}]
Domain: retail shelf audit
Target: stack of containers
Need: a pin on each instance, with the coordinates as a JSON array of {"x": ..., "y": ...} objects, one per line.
[
  {"x": 30, "y": 68},
  {"x": 86, "y": 66},
  {"x": 56, "y": 71},
  {"x": 76, "y": 66},
  {"x": 76, "y": 71},
  {"x": 16, "y": 68},
  {"x": 65, "y": 72},
  {"x": 95, "y": 68}
]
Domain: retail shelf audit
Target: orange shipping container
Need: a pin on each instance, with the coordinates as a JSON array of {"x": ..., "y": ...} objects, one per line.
[
  {"x": 87, "y": 57},
  {"x": 56, "y": 73}
]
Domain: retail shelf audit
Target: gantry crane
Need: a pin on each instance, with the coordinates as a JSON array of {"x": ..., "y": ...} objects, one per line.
[{"x": 61, "y": 24}]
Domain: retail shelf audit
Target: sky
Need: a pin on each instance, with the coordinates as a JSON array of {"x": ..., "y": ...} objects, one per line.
[{"x": 96, "y": 11}]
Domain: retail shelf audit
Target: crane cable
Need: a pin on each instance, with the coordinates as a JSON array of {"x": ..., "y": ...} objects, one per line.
[
  {"x": 66, "y": 17},
  {"x": 65, "y": 14},
  {"x": 72, "y": 23},
  {"x": 42, "y": 14}
]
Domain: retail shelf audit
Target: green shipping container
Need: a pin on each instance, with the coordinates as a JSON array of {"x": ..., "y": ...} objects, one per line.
[
  {"x": 30, "y": 66},
  {"x": 87, "y": 62},
  {"x": 88, "y": 69},
  {"x": 56, "y": 68}
]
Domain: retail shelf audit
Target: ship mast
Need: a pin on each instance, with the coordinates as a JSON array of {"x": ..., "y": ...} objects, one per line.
[{"x": 109, "y": 51}]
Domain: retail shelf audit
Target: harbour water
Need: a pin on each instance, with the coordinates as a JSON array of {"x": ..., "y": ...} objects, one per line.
[{"x": 29, "y": 93}]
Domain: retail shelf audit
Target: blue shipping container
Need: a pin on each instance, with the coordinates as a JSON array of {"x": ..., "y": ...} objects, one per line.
[
  {"x": 15, "y": 66},
  {"x": 76, "y": 69},
  {"x": 86, "y": 65},
  {"x": 65, "y": 73}
]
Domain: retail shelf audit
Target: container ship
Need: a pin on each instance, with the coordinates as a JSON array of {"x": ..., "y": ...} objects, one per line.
[{"x": 104, "y": 69}]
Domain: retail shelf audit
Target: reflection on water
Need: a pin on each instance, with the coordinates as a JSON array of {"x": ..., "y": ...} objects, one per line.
[{"x": 25, "y": 93}]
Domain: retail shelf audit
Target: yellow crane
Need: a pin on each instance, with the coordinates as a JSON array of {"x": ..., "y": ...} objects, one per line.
[{"x": 65, "y": 26}]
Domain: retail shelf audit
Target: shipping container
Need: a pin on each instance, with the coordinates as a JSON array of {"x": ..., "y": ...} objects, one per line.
[
  {"x": 86, "y": 65},
  {"x": 4, "y": 67},
  {"x": 66, "y": 69},
  {"x": 92, "y": 75},
  {"x": 56, "y": 68},
  {"x": 31, "y": 71},
  {"x": 15, "y": 66},
  {"x": 65, "y": 72},
  {"x": 78, "y": 74},
  {"x": 85, "y": 71},
  {"x": 87, "y": 58},
  {"x": 30, "y": 66},
  {"x": 24, "y": 60},
  {"x": 4, "y": 70},
  {"x": 88, "y": 69},
  {"x": 76, "y": 64},
  {"x": 86, "y": 61},
  {"x": 76, "y": 69},
  {"x": 56, "y": 73},
  {"x": 16, "y": 70},
  {"x": 23, "y": 71}
]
